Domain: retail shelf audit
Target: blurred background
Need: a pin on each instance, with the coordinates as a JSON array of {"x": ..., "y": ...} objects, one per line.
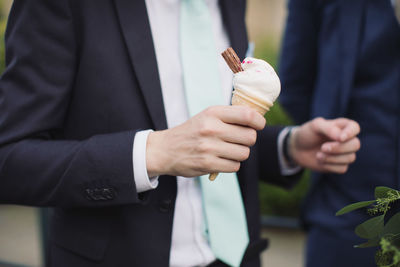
[{"x": 20, "y": 227}]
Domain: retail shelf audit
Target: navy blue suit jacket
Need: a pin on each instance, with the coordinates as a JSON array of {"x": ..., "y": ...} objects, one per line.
[
  {"x": 319, "y": 68},
  {"x": 81, "y": 80},
  {"x": 316, "y": 68}
]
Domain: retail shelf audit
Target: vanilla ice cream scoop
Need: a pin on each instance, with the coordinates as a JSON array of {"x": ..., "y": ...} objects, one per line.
[{"x": 258, "y": 80}]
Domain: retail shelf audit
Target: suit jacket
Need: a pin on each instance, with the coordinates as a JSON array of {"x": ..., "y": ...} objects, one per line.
[
  {"x": 321, "y": 70},
  {"x": 319, "y": 88},
  {"x": 341, "y": 58},
  {"x": 81, "y": 80}
]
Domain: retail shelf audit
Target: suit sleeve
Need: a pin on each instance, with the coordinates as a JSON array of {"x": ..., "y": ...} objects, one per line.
[
  {"x": 297, "y": 66},
  {"x": 37, "y": 166},
  {"x": 264, "y": 160}
]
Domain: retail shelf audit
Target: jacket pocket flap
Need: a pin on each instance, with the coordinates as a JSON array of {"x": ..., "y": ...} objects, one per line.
[{"x": 81, "y": 239}]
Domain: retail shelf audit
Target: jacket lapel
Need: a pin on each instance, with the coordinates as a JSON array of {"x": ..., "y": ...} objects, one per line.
[
  {"x": 233, "y": 15},
  {"x": 136, "y": 30},
  {"x": 350, "y": 32}
]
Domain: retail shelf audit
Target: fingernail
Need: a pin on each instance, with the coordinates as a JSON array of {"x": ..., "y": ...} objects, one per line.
[{"x": 327, "y": 148}]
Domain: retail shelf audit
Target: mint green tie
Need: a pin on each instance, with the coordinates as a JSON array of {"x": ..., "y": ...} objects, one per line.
[{"x": 223, "y": 205}]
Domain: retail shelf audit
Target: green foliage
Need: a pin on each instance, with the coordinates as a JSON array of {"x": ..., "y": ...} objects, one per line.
[
  {"x": 267, "y": 50},
  {"x": 278, "y": 201},
  {"x": 388, "y": 255},
  {"x": 275, "y": 200},
  {"x": 384, "y": 197},
  {"x": 392, "y": 228},
  {"x": 277, "y": 116},
  {"x": 377, "y": 233},
  {"x": 355, "y": 206},
  {"x": 371, "y": 228},
  {"x": 2, "y": 45},
  {"x": 1, "y": 11},
  {"x": 383, "y": 191},
  {"x": 370, "y": 243}
]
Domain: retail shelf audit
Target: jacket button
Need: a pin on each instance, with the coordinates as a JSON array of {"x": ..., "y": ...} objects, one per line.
[
  {"x": 98, "y": 194},
  {"x": 108, "y": 193},
  {"x": 89, "y": 194},
  {"x": 165, "y": 205}
]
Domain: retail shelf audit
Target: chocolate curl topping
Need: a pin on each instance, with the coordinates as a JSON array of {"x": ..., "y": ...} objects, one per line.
[{"x": 232, "y": 60}]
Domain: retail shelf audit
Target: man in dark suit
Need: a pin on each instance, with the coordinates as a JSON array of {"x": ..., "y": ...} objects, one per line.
[
  {"x": 342, "y": 58},
  {"x": 85, "y": 79}
]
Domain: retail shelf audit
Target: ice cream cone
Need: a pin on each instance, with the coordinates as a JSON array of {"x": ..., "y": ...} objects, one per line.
[{"x": 256, "y": 84}]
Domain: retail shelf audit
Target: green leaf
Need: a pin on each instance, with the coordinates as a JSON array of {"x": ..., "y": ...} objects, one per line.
[
  {"x": 354, "y": 206},
  {"x": 370, "y": 229},
  {"x": 392, "y": 227},
  {"x": 370, "y": 243},
  {"x": 382, "y": 191}
]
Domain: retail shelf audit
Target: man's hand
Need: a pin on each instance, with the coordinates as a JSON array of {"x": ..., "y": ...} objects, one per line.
[
  {"x": 325, "y": 145},
  {"x": 215, "y": 140}
]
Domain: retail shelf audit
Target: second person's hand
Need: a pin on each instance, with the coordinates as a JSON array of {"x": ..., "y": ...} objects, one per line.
[{"x": 325, "y": 145}]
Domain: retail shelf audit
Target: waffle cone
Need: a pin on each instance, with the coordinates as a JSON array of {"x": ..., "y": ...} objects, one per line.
[{"x": 239, "y": 98}]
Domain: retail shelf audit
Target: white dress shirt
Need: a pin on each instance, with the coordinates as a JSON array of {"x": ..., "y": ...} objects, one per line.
[{"x": 189, "y": 246}]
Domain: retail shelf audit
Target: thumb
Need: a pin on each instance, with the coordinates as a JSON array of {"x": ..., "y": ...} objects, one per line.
[{"x": 327, "y": 128}]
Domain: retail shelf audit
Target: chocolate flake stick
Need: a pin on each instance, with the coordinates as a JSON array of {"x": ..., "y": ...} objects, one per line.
[
  {"x": 232, "y": 60},
  {"x": 234, "y": 64}
]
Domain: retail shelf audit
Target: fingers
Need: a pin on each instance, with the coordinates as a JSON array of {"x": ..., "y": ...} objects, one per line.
[
  {"x": 336, "y": 157},
  {"x": 335, "y": 163},
  {"x": 224, "y": 150},
  {"x": 222, "y": 165},
  {"x": 350, "y": 130},
  {"x": 239, "y": 115},
  {"x": 335, "y": 168},
  {"x": 340, "y": 129},
  {"x": 223, "y": 157},
  {"x": 326, "y": 128},
  {"x": 219, "y": 157},
  {"x": 233, "y": 152},
  {"x": 230, "y": 133},
  {"x": 341, "y": 159},
  {"x": 350, "y": 146},
  {"x": 236, "y": 125},
  {"x": 238, "y": 134}
]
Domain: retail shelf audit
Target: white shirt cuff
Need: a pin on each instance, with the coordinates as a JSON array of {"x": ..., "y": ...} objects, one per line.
[
  {"x": 286, "y": 168},
  {"x": 142, "y": 180}
]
